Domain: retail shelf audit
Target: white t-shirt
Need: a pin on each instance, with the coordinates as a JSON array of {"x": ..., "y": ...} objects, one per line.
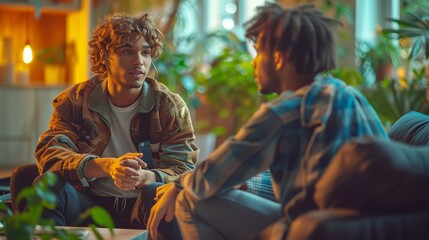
[
  {"x": 120, "y": 143},
  {"x": 120, "y": 134}
]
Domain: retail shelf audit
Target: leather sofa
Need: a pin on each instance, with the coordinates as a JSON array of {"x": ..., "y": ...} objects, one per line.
[{"x": 374, "y": 188}]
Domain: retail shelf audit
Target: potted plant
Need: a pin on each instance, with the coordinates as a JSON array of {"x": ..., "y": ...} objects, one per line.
[
  {"x": 391, "y": 100},
  {"x": 23, "y": 225},
  {"x": 382, "y": 57},
  {"x": 175, "y": 71},
  {"x": 54, "y": 64},
  {"x": 228, "y": 86}
]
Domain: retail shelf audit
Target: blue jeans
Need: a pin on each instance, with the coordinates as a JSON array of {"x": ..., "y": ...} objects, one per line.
[{"x": 131, "y": 213}]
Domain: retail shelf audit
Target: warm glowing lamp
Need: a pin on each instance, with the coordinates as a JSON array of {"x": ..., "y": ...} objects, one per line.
[{"x": 27, "y": 54}]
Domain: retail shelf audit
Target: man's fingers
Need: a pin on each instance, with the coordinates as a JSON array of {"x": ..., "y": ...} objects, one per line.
[
  {"x": 133, "y": 163},
  {"x": 125, "y": 178},
  {"x": 124, "y": 187},
  {"x": 170, "y": 215},
  {"x": 135, "y": 157},
  {"x": 153, "y": 225},
  {"x": 133, "y": 154},
  {"x": 129, "y": 171},
  {"x": 159, "y": 192},
  {"x": 142, "y": 164}
]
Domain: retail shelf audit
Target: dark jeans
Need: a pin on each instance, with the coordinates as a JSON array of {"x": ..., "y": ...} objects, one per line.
[{"x": 126, "y": 213}]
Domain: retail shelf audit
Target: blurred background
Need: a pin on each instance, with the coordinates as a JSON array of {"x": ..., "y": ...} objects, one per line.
[{"x": 382, "y": 50}]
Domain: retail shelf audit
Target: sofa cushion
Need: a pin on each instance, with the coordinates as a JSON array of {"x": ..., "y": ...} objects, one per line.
[
  {"x": 376, "y": 175},
  {"x": 412, "y": 128}
]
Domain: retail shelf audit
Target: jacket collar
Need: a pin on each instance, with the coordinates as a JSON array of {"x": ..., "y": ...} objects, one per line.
[
  {"x": 98, "y": 101},
  {"x": 318, "y": 99}
]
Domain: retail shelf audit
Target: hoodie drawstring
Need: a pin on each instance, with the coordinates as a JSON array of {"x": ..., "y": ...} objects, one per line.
[{"x": 123, "y": 203}]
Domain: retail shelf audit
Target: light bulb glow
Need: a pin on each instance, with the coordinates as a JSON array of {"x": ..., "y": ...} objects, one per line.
[
  {"x": 228, "y": 23},
  {"x": 27, "y": 54}
]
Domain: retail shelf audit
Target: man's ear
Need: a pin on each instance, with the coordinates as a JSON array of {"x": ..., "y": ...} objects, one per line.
[{"x": 279, "y": 60}]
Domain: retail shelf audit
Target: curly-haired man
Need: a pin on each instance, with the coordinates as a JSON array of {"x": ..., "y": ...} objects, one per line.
[{"x": 113, "y": 139}]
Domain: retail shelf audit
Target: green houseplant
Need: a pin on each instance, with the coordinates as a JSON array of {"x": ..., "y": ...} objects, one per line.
[
  {"x": 223, "y": 78},
  {"x": 175, "y": 70},
  {"x": 54, "y": 63},
  {"x": 23, "y": 225},
  {"x": 381, "y": 57},
  {"x": 229, "y": 85},
  {"x": 391, "y": 100}
]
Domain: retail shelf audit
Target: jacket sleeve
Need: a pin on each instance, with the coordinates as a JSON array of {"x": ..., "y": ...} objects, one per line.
[
  {"x": 58, "y": 147},
  {"x": 178, "y": 152}
]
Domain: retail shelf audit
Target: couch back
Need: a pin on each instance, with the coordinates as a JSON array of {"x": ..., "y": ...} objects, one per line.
[{"x": 411, "y": 128}]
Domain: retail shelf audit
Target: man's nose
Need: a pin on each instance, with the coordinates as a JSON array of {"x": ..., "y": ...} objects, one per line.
[{"x": 139, "y": 59}]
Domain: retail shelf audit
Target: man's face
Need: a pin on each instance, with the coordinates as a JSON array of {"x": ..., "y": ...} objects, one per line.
[
  {"x": 264, "y": 70},
  {"x": 129, "y": 65}
]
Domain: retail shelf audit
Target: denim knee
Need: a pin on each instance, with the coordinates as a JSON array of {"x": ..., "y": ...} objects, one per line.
[{"x": 58, "y": 185}]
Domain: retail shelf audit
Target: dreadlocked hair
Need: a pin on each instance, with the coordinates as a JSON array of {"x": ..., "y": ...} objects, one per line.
[
  {"x": 303, "y": 32},
  {"x": 117, "y": 30}
]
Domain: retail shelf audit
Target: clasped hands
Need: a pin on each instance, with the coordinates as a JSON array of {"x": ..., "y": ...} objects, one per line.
[{"x": 129, "y": 172}]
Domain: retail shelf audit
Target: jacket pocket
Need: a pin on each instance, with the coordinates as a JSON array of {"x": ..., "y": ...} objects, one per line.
[{"x": 89, "y": 136}]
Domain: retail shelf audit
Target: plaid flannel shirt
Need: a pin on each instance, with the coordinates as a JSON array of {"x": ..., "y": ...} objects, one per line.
[{"x": 295, "y": 136}]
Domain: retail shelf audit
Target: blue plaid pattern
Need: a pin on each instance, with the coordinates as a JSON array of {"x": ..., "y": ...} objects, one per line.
[{"x": 261, "y": 185}]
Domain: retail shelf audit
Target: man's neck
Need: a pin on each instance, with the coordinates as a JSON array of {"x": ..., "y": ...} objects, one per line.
[
  {"x": 124, "y": 97},
  {"x": 293, "y": 80},
  {"x": 299, "y": 81}
]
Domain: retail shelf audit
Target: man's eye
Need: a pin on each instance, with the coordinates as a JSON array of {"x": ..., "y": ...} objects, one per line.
[{"x": 147, "y": 53}]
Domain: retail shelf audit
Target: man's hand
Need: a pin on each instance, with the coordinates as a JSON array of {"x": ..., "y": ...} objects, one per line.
[
  {"x": 124, "y": 170},
  {"x": 163, "y": 209},
  {"x": 146, "y": 177}
]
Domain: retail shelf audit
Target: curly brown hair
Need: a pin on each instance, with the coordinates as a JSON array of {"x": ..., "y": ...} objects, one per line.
[
  {"x": 303, "y": 32},
  {"x": 115, "y": 31}
]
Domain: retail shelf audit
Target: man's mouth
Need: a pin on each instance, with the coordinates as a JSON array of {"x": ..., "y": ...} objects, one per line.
[{"x": 137, "y": 72}]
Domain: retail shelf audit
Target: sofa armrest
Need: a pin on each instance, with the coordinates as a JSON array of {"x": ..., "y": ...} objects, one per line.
[{"x": 22, "y": 176}]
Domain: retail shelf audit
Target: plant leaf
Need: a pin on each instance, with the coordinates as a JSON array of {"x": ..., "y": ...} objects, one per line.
[
  {"x": 418, "y": 19},
  {"x": 5, "y": 209},
  {"x": 417, "y": 45},
  {"x": 96, "y": 233},
  {"x": 404, "y": 32},
  {"x": 405, "y": 22},
  {"x": 426, "y": 45},
  {"x": 100, "y": 217},
  {"x": 26, "y": 193}
]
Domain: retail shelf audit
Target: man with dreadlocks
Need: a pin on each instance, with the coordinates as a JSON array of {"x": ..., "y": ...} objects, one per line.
[
  {"x": 116, "y": 137},
  {"x": 295, "y": 136}
]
